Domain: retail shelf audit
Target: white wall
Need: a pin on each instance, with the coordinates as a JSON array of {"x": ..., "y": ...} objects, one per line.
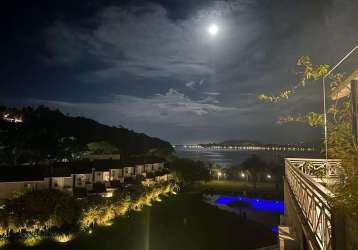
[
  {"x": 8, "y": 189},
  {"x": 116, "y": 174},
  {"x": 139, "y": 169},
  {"x": 128, "y": 171}
]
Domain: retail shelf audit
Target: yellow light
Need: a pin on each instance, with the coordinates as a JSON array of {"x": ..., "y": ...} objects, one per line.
[
  {"x": 33, "y": 241},
  {"x": 63, "y": 238},
  {"x": 3, "y": 243},
  {"x": 108, "y": 224}
]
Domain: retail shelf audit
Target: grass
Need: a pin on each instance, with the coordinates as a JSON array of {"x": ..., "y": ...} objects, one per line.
[
  {"x": 264, "y": 189},
  {"x": 233, "y": 186},
  {"x": 178, "y": 223}
]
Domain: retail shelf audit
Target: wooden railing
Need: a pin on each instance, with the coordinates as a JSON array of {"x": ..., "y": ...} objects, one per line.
[{"x": 311, "y": 196}]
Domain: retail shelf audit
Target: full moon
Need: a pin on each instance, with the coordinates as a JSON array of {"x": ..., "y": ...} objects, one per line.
[{"x": 213, "y": 29}]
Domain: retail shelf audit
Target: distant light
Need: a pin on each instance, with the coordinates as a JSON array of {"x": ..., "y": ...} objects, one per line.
[
  {"x": 242, "y": 175},
  {"x": 268, "y": 176},
  {"x": 213, "y": 29},
  {"x": 219, "y": 173}
]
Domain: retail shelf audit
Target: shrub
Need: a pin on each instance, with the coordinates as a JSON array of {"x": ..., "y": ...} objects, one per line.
[
  {"x": 99, "y": 187},
  {"x": 40, "y": 210},
  {"x": 80, "y": 192}
]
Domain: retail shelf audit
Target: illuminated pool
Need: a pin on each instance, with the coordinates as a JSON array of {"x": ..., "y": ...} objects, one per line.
[{"x": 264, "y": 205}]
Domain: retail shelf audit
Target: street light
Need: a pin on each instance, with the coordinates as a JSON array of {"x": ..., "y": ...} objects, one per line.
[
  {"x": 268, "y": 176},
  {"x": 219, "y": 175},
  {"x": 324, "y": 96}
]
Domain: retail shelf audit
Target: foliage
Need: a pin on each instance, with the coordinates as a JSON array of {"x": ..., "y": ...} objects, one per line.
[
  {"x": 121, "y": 203},
  {"x": 102, "y": 147},
  {"x": 51, "y": 213},
  {"x": 102, "y": 212},
  {"x": 341, "y": 144},
  {"x": 187, "y": 170},
  {"x": 70, "y": 149},
  {"x": 47, "y": 133},
  {"x": 99, "y": 214},
  {"x": 38, "y": 210},
  {"x": 99, "y": 187},
  {"x": 307, "y": 71},
  {"x": 255, "y": 167},
  {"x": 63, "y": 237}
]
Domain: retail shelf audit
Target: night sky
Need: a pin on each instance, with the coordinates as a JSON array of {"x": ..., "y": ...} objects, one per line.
[{"x": 153, "y": 67}]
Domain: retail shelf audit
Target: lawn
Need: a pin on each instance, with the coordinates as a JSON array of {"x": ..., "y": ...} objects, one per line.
[
  {"x": 182, "y": 222},
  {"x": 225, "y": 186}
]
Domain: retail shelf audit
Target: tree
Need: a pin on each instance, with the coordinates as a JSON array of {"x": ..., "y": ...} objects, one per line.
[
  {"x": 188, "y": 171},
  {"x": 47, "y": 134},
  {"x": 256, "y": 167},
  {"x": 340, "y": 141},
  {"x": 70, "y": 149},
  {"x": 41, "y": 209},
  {"x": 102, "y": 147}
]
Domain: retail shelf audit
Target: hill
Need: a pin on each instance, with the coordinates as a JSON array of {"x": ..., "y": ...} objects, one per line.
[{"x": 41, "y": 128}]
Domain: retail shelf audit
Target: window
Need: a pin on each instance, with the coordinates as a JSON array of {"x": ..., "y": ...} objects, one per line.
[
  {"x": 106, "y": 176},
  {"x": 80, "y": 180}
]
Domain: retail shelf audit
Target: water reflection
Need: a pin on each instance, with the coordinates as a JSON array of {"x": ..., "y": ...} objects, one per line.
[{"x": 228, "y": 158}]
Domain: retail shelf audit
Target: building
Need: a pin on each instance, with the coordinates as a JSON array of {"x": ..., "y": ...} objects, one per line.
[
  {"x": 81, "y": 177},
  {"x": 59, "y": 178},
  {"x": 17, "y": 180}
]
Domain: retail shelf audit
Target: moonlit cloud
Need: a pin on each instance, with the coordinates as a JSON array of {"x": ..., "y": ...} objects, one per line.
[
  {"x": 153, "y": 67},
  {"x": 172, "y": 107},
  {"x": 146, "y": 45}
]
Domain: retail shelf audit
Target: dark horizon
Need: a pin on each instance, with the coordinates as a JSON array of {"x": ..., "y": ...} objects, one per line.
[{"x": 152, "y": 66}]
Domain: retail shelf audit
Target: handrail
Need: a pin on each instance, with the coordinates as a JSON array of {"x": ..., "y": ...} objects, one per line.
[
  {"x": 319, "y": 188},
  {"x": 312, "y": 198}
]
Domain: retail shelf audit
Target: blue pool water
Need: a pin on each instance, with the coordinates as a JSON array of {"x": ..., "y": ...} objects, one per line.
[
  {"x": 272, "y": 209},
  {"x": 274, "y": 229},
  {"x": 274, "y": 206}
]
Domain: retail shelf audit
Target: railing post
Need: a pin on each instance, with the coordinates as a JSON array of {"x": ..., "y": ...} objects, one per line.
[
  {"x": 354, "y": 94},
  {"x": 338, "y": 229}
]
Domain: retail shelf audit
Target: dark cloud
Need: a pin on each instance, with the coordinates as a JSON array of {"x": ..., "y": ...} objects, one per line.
[{"x": 151, "y": 65}]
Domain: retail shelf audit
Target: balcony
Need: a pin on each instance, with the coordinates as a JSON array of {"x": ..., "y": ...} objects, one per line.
[{"x": 309, "y": 185}]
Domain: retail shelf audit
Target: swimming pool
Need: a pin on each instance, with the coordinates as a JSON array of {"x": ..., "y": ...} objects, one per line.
[{"x": 275, "y": 206}]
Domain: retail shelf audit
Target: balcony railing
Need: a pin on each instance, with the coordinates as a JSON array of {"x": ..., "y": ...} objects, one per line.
[{"x": 308, "y": 179}]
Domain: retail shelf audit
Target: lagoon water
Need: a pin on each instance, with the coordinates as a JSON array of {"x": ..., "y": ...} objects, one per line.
[{"x": 229, "y": 158}]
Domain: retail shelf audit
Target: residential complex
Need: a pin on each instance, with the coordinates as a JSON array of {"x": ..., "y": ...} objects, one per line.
[{"x": 85, "y": 176}]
